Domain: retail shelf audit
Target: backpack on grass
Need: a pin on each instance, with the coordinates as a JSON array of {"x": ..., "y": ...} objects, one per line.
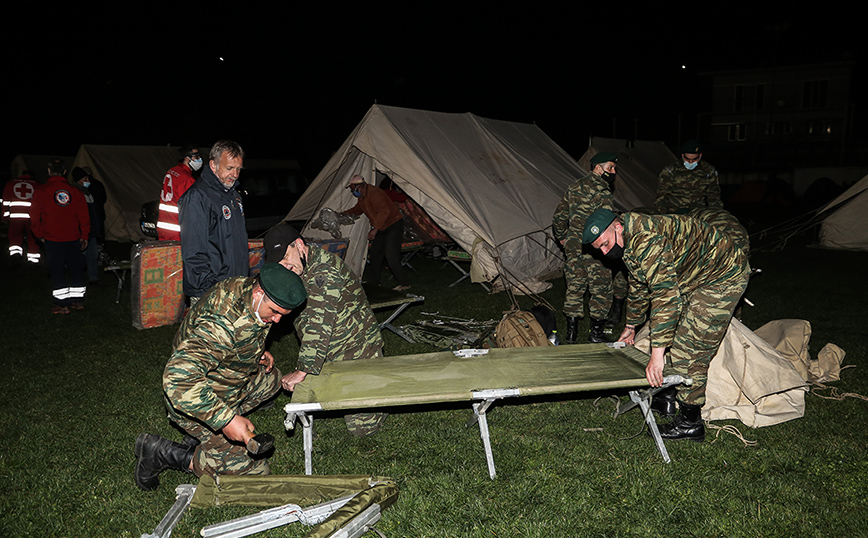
[{"x": 519, "y": 328}]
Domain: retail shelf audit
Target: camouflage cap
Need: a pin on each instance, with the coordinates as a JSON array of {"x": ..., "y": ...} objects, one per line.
[
  {"x": 691, "y": 146},
  {"x": 597, "y": 224},
  {"x": 604, "y": 157},
  {"x": 282, "y": 286}
]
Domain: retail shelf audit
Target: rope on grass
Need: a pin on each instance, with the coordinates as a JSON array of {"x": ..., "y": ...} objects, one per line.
[
  {"x": 834, "y": 392},
  {"x": 730, "y": 430}
]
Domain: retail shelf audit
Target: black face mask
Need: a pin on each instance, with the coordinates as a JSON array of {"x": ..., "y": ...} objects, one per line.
[
  {"x": 616, "y": 252},
  {"x": 303, "y": 262},
  {"x": 609, "y": 177}
]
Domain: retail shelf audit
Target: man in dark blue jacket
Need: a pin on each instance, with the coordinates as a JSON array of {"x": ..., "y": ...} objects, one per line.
[{"x": 213, "y": 234}]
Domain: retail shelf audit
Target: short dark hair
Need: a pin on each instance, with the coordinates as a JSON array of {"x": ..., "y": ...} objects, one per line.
[
  {"x": 226, "y": 146},
  {"x": 56, "y": 167},
  {"x": 185, "y": 151}
]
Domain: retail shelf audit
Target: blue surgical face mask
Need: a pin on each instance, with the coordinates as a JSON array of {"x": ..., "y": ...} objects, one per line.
[
  {"x": 196, "y": 164},
  {"x": 690, "y": 166},
  {"x": 85, "y": 184},
  {"x": 357, "y": 194}
]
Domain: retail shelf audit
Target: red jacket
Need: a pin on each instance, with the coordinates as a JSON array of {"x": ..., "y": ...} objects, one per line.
[
  {"x": 59, "y": 212},
  {"x": 178, "y": 179},
  {"x": 18, "y": 198},
  {"x": 378, "y": 207}
]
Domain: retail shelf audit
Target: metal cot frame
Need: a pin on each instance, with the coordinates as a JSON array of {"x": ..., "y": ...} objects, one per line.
[{"x": 482, "y": 400}]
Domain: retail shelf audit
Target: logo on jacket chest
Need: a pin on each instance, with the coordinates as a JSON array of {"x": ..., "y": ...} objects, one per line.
[{"x": 227, "y": 213}]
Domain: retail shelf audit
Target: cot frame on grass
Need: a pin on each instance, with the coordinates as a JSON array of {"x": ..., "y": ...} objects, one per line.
[
  {"x": 380, "y": 298},
  {"x": 460, "y": 376}
]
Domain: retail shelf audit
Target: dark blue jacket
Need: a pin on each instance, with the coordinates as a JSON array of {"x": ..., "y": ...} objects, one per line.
[{"x": 213, "y": 234}]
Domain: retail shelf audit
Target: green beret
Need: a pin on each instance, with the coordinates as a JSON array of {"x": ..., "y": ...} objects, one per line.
[
  {"x": 282, "y": 286},
  {"x": 604, "y": 157},
  {"x": 597, "y": 224},
  {"x": 691, "y": 146}
]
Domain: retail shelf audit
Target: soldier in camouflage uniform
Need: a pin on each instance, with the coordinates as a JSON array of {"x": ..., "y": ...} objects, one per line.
[
  {"x": 691, "y": 276},
  {"x": 337, "y": 324},
  {"x": 583, "y": 268},
  {"x": 689, "y": 183},
  {"x": 218, "y": 372}
]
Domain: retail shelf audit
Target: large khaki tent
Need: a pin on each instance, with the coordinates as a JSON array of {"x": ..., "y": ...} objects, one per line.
[
  {"x": 495, "y": 180},
  {"x": 846, "y": 227},
  {"x": 132, "y": 175},
  {"x": 639, "y": 165}
]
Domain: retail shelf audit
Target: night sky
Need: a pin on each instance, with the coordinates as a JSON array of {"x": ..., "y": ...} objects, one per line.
[{"x": 290, "y": 83}]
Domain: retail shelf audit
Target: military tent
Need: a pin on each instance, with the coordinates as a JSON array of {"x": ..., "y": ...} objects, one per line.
[
  {"x": 132, "y": 175},
  {"x": 477, "y": 178},
  {"x": 639, "y": 165},
  {"x": 846, "y": 227}
]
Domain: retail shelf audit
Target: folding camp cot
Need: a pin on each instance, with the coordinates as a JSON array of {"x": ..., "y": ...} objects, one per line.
[
  {"x": 380, "y": 298},
  {"x": 454, "y": 257},
  {"x": 408, "y": 250},
  {"x": 477, "y": 376}
]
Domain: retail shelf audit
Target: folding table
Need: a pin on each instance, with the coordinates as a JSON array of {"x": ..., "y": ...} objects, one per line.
[{"x": 477, "y": 376}]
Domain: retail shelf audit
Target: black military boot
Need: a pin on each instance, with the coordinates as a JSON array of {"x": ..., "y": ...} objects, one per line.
[
  {"x": 615, "y": 312},
  {"x": 572, "y": 330},
  {"x": 688, "y": 424},
  {"x": 664, "y": 403},
  {"x": 597, "y": 334},
  {"x": 155, "y": 454}
]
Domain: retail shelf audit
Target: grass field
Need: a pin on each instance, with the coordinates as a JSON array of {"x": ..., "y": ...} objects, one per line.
[{"x": 78, "y": 389}]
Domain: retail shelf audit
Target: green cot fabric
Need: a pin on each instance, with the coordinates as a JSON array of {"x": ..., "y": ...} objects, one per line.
[
  {"x": 384, "y": 494},
  {"x": 443, "y": 377},
  {"x": 380, "y": 297},
  {"x": 277, "y": 490}
]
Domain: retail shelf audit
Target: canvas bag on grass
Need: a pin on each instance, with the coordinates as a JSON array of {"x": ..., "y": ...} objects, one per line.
[
  {"x": 519, "y": 328},
  {"x": 748, "y": 380},
  {"x": 791, "y": 338}
]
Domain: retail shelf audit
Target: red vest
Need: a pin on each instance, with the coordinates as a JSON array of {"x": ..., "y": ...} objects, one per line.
[
  {"x": 18, "y": 198},
  {"x": 178, "y": 179}
]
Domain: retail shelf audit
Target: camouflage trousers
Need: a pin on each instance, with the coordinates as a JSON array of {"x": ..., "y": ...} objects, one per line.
[
  {"x": 583, "y": 271},
  {"x": 703, "y": 324},
  {"x": 218, "y": 455},
  {"x": 364, "y": 424}
]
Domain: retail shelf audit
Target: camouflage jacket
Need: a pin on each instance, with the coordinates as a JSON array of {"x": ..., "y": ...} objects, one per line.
[
  {"x": 216, "y": 352},
  {"x": 669, "y": 257},
  {"x": 337, "y": 324},
  {"x": 681, "y": 189},
  {"x": 583, "y": 197}
]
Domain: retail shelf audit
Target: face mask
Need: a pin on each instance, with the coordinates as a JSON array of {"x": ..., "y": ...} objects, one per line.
[
  {"x": 256, "y": 310},
  {"x": 357, "y": 194},
  {"x": 196, "y": 164},
  {"x": 690, "y": 166},
  {"x": 616, "y": 252},
  {"x": 85, "y": 184},
  {"x": 303, "y": 262},
  {"x": 609, "y": 177}
]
